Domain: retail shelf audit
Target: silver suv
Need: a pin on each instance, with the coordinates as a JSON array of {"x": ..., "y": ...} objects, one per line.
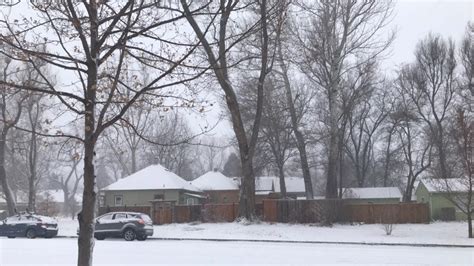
[{"x": 129, "y": 225}]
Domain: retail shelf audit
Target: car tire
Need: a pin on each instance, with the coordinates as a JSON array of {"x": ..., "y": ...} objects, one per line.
[
  {"x": 31, "y": 233},
  {"x": 142, "y": 237},
  {"x": 11, "y": 236},
  {"x": 99, "y": 237},
  {"x": 129, "y": 234}
]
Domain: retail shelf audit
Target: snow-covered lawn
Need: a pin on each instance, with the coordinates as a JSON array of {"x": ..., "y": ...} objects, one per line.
[
  {"x": 63, "y": 251},
  {"x": 434, "y": 233}
]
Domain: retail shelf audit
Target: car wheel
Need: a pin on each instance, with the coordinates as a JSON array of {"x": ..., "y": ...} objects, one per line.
[
  {"x": 142, "y": 237},
  {"x": 99, "y": 237},
  {"x": 129, "y": 235},
  {"x": 31, "y": 233}
]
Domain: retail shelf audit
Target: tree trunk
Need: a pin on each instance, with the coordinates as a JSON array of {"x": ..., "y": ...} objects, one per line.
[
  {"x": 441, "y": 152},
  {"x": 133, "y": 152},
  {"x": 408, "y": 193},
  {"x": 32, "y": 166},
  {"x": 86, "y": 217},
  {"x": 281, "y": 175},
  {"x": 469, "y": 224},
  {"x": 333, "y": 149},
  {"x": 247, "y": 190},
  {"x": 387, "y": 156},
  {"x": 3, "y": 178},
  {"x": 300, "y": 142}
]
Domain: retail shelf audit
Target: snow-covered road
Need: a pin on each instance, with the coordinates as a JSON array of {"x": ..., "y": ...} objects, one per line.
[{"x": 63, "y": 251}]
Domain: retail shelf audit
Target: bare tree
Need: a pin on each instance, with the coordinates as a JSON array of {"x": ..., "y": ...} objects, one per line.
[
  {"x": 430, "y": 85},
  {"x": 464, "y": 136},
  {"x": 281, "y": 24},
  {"x": 276, "y": 129},
  {"x": 338, "y": 32},
  {"x": 68, "y": 179},
  {"x": 219, "y": 60},
  {"x": 364, "y": 112},
  {"x": 93, "y": 41},
  {"x": 463, "y": 129},
  {"x": 11, "y": 106}
]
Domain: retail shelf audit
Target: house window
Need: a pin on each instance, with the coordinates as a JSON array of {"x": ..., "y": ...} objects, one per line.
[
  {"x": 159, "y": 197},
  {"x": 190, "y": 201},
  {"x": 118, "y": 200},
  {"x": 101, "y": 200},
  {"x": 225, "y": 199}
]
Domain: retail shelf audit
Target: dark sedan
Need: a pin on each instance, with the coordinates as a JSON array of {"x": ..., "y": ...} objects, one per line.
[{"x": 28, "y": 225}]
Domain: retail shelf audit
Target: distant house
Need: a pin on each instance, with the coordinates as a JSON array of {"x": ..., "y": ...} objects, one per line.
[
  {"x": 439, "y": 194},
  {"x": 362, "y": 195},
  {"x": 153, "y": 183},
  {"x": 269, "y": 187},
  {"x": 217, "y": 187}
]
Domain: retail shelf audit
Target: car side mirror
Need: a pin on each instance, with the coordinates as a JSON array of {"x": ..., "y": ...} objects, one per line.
[{"x": 97, "y": 221}]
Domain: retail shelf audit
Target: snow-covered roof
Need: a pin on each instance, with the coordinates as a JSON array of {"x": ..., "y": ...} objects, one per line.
[
  {"x": 445, "y": 185},
  {"x": 151, "y": 178},
  {"x": 215, "y": 180},
  {"x": 372, "y": 193},
  {"x": 272, "y": 184}
]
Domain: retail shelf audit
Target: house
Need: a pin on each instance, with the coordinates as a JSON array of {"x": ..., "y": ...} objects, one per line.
[
  {"x": 153, "y": 183},
  {"x": 217, "y": 187},
  {"x": 269, "y": 187},
  {"x": 440, "y": 194},
  {"x": 363, "y": 195}
]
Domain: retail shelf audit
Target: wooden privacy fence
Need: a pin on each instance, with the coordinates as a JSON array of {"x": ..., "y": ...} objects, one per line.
[
  {"x": 302, "y": 211},
  {"x": 286, "y": 211},
  {"x": 187, "y": 213},
  {"x": 329, "y": 211},
  {"x": 397, "y": 213}
]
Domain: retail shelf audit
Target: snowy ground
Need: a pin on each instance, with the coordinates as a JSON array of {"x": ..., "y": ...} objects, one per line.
[
  {"x": 63, "y": 251},
  {"x": 434, "y": 233}
]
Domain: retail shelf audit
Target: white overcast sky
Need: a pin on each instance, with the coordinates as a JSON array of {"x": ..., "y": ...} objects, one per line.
[{"x": 415, "y": 19}]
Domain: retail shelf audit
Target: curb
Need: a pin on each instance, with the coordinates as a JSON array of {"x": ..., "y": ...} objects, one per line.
[
  {"x": 311, "y": 242},
  {"x": 299, "y": 242}
]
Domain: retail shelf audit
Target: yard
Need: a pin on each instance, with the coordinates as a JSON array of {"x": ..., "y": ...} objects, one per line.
[{"x": 63, "y": 250}]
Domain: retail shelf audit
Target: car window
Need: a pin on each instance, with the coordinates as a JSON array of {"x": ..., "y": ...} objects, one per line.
[
  {"x": 120, "y": 216},
  {"x": 105, "y": 218}
]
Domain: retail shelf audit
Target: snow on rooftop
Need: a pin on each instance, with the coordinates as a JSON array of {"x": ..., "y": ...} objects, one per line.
[
  {"x": 445, "y": 185},
  {"x": 151, "y": 178},
  {"x": 214, "y": 180},
  {"x": 372, "y": 193}
]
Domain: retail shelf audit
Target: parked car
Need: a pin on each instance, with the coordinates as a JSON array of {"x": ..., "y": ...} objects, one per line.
[
  {"x": 28, "y": 225},
  {"x": 129, "y": 225}
]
